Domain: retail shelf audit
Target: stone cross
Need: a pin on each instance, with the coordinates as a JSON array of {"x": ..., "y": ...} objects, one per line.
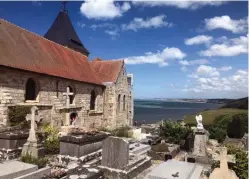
[
  {"x": 68, "y": 94},
  {"x": 222, "y": 151},
  {"x": 33, "y": 117},
  {"x": 223, "y": 171}
]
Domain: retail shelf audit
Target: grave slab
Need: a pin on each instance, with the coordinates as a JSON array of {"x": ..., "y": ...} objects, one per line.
[
  {"x": 13, "y": 169},
  {"x": 176, "y": 169}
]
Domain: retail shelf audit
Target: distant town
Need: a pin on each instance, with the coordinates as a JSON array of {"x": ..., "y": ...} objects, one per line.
[{"x": 187, "y": 100}]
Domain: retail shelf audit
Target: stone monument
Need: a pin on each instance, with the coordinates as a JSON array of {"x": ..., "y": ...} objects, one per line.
[
  {"x": 223, "y": 172},
  {"x": 199, "y": 153},
  {"x": 122, "y": 161},
  {"x": 31, "y": 146},
  {"x": 115, "y": 153}
]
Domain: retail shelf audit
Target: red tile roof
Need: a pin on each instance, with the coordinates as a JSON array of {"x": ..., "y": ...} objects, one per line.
[
  {"x": 25, "y": 50},
  {"x": 108, "y": 70}
]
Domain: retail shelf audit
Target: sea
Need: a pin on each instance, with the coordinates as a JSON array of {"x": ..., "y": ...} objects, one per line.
[{"x": 152, "y": 111}]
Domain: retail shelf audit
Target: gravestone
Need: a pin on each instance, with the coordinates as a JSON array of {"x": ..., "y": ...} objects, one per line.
[
  {"x": 115, "y": 153},
  {"x": 223, "y": 171},
  {"x": 31, "y": 146}
]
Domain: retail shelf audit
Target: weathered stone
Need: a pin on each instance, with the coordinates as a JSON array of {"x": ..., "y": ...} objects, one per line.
[
  {"x": 80, "y": 145},
  {"x": 13, "y": 169},
  {"x": 115, "y": 153},
  {"x": 176, "y": 169}
]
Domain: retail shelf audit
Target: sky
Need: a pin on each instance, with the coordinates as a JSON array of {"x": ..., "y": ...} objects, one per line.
[{"x": 175, "y": 49}]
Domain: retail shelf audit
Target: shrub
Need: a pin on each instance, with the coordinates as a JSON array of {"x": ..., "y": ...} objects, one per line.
[
  {"x": 236, "y": 129},
  {"x": 17, "y": 116},
  {"x": 52, "y": 141},
  {"x": 218, "y": 130},
  {"x": 121, "y": 132},
  {"x": 40, "y": 162},
  {"x": 174, "y": 132}
]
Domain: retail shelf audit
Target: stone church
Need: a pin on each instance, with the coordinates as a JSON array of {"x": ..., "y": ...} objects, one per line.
[{"x": 46, "y": 71}]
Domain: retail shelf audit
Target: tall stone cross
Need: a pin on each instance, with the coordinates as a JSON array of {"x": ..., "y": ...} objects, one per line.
[
  {"x": 223, "y": 171},
  {"x": 33, "y": 117},
  {"x": 68, "y": 94}
]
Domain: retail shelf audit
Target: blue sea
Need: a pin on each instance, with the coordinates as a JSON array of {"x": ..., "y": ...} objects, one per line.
[{"x": 151, "y": 111}]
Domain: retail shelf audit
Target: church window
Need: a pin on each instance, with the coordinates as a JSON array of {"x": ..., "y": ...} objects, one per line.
[
  {"x": 57, "y": 89},
  {"x": 92, "y": 100},
  {"x": 118, "y": 108},
  {"x": 31, "y": 90},
  {"x": 124, "y": 103},
  {"x": 71, "y": 97}
]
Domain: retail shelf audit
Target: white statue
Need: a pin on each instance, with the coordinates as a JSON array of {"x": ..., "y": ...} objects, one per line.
[{"x": 199, "y": 122}]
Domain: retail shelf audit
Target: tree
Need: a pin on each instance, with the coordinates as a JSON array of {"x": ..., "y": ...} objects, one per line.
[
  {"x": 236, "y": 129},
  {"x": 218, "y": 130},
  {"x": 173, "y": 132}
]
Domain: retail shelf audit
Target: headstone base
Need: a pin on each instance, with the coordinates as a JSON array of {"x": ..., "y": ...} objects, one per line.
[
  {"x": 133, "y": 169},
  {"x": 33, "y": 149}
]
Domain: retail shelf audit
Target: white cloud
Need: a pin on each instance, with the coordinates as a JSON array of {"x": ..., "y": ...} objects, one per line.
[
  {"x": 81, "y": 24},
  {"x": 161, "y": 57},
  {"x": 205, "y": 70},
  {"x": 179, "y": 4},
  {"x": 225, "y": 68},
  {"x": 184, "y": 68},
  {"x": 36, "y": 3},
  {"x": 226, "y": 23},
  {"x": 193, "y": 62},
  {"x": 235, "y": 84},
  {"x": 103, "y": 9},
  {"x": 230, "y": 47},
  {"x": 113, "y": 33},
  {"x": 103, "y": 25},
  {"x": 153, "y": 22},
  {"x": 200, "y": 39}
]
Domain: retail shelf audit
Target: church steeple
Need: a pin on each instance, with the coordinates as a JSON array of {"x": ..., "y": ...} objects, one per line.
[{"x": 62, "y": 32}]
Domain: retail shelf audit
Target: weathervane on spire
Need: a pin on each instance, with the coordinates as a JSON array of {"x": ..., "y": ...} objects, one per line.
[{"x": 63, "y": 6}]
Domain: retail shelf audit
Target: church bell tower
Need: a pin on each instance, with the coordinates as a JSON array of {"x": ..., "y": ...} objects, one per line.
[{"x": 63, "y": 33}]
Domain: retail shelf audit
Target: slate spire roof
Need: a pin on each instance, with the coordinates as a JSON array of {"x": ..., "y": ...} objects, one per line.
[{"x": 62, "y": 32}]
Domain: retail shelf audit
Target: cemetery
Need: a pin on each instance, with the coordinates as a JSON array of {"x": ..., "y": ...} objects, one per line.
[{"x": 95, "y": 154}]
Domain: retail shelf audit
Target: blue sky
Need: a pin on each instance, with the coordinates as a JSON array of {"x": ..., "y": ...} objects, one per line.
[{"x": 174, "y": 49}]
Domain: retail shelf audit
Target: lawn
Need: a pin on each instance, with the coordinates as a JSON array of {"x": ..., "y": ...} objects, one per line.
[{"x": 210, "y": 115}]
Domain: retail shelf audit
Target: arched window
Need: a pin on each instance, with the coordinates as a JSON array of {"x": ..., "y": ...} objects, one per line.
[
  {"x": 124, "y": 103},
  {"x": 31, "y": 90},
  {"x": 57, "y": 89},
  {"x": 71, "y": 97},
  {"x": 92, "y": 100},
  {"x": 118, "y": 108}
]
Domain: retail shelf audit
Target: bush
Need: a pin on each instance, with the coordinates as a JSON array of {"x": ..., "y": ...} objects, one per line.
[
  {"x": 17, "y": 116},
  {"x": 121, "y": 132},
  {"x": 40, "y": 162},
  {"x": 52, "y": 141},
  {"x": 218, "y": 130},
  {"x": 174, "y": 132},
  {"x": 236, "y": 129},
  {"x": 241, "y": 165}
]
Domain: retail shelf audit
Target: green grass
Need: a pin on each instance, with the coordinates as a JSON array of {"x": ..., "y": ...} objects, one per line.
[{"x": 210, "y": 115}]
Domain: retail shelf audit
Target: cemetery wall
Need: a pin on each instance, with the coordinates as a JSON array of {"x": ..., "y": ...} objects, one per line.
[
  {"x": 50, "y": 97},
  {"x": 122, "y": 118}
]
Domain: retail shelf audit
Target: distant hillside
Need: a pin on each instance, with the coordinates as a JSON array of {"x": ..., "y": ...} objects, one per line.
[
  {"x": 238, "y": 104},
  {"x": 219, "y": 101}
]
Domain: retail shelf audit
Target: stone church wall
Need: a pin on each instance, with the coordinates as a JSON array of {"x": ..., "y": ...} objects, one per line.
[
  {"x": 50, "y": 100},
  {"x": 121, "y": 88}
]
